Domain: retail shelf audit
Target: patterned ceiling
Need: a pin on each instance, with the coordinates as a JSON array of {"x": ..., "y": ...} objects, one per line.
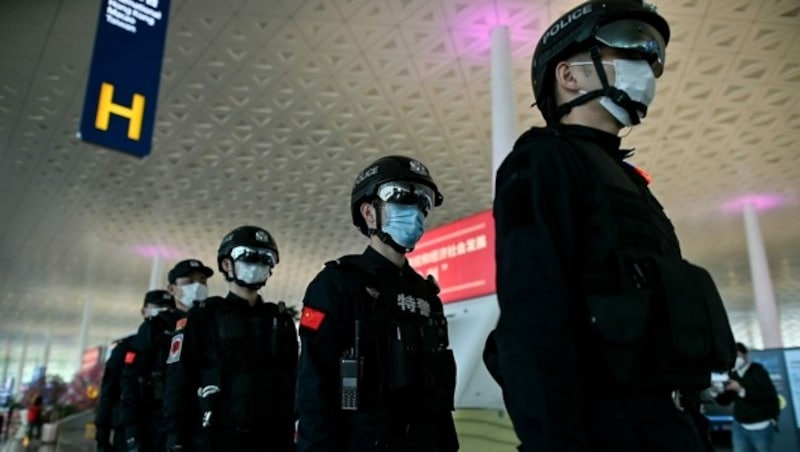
[{"x": 268, "y": 108}]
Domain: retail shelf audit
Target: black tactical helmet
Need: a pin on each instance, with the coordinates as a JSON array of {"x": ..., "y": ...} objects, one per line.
[
  {"x": 394, "y": 168},
  {"x": 246, "y": 238},
  {"x": 636, "y": 26},
  {"x": 160, "y": 298}
]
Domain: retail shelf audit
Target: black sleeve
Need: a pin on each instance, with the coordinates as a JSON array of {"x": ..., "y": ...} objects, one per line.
[
  {"x": 136, "y": 363},
  {"x": 109, "y": 392},
  {"x": 182, "y": 377},
  {"x": 292, "y": 352},
  {"x": 535, "y": 209},
  {"x": 318, "y": 404}
]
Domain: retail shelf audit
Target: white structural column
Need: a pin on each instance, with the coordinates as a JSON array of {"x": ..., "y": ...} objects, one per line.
[
  {"x": 83, "y": 335},
  {"x": 6, "y": 360},
  {"x": 766, "y": 309},
  {"x": 504, "y": 114},
  {"x": 48, "y": 342},
  {"x": 156, "y": 272},
  {"x": 23, "y": 357}
]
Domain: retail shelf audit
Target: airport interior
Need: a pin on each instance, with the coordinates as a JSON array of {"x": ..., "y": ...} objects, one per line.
[{"x": 266, "y": 110}]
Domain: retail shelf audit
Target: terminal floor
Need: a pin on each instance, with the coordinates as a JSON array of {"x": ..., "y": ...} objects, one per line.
[{"x": 72, "y": 437}]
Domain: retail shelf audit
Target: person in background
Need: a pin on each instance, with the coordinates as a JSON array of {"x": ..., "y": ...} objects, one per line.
[
  {"x": 756, "y": 406},
  {"x": 144, "y": 372},
  {"x": 109, "y": 430},
  {"x": 376, "y": 372},
  {"x": 35, "y": 418}
]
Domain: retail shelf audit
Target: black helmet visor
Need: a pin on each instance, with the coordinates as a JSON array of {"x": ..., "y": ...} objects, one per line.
[
  {"x": 408, "y": 193},
  {"x": 254, "y": 255},
  {"x": 637, "y": 36}
]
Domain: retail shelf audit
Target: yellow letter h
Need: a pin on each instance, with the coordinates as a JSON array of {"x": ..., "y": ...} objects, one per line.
[{"x": 106, "y": 106}]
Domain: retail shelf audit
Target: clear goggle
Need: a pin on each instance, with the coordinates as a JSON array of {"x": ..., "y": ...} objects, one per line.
[
  {"x": 409, "y": 193},
  {"x": 254, "y": 255},
  {"x": 636, "y": 36}
]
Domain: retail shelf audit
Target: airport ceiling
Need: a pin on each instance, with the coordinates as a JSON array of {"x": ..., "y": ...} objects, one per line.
[{"x": 268, "y": 108}]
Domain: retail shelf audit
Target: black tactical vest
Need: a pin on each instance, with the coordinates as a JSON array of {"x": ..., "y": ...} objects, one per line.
[
  {"x": 652, "y": 318},
  {"x": 408, "y": 368},
  {"x": 163, "y": 327},
  {"x": 253, "y": 362}
]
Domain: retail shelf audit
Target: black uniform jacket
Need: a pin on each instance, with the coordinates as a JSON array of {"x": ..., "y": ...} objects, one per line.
[
  {"x": 144, "y": 372},
  {"x": 542, "y": 197},
  {"x": 196, "y": 353},
  {"x": 107, "y": 416},
  {"x": 326, "y": 331}
]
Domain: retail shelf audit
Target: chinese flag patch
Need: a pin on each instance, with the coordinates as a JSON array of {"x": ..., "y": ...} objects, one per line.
[
  {"x": 175, "y": 349},
  {"x": 311, "y": 318},
  {"x": 180, "y": 324},
  {"x": 645, "y": 175},
  {"x": 130, "y": 357}
]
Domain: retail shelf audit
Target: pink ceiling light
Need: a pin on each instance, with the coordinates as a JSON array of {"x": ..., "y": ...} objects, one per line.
[
  {"x": 157, "y": 250},
  {"x": 761, "y": 201}
]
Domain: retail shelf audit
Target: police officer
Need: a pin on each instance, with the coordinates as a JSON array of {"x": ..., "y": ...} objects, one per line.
[
  {"x": 375, "y": 369},
  {"x": 601, "y": 320},
  {"x": 109, "y": 419},
  {"x": 233, "y": 361},
  {"x": 144, "y": 372}
]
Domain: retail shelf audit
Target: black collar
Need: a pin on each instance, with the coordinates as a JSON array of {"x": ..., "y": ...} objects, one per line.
[{"x": 608, "y": 141}]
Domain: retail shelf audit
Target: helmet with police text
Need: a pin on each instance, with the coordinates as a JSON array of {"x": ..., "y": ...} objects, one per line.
[
  {"x": 395, "y": 178},
  {"x": 250, "y": 244},
  {"x": 621, "y": 24}
]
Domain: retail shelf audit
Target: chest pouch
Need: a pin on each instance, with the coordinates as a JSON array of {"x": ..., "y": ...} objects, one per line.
[
  {"x": 692, "y": 328},
  {"x": 618, "y": 317}
]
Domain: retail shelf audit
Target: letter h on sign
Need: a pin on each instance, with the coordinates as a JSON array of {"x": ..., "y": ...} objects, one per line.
[{"x": 106, "y": 107}]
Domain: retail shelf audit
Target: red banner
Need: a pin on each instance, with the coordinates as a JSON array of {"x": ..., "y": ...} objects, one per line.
[{"x": 460, "y": 255}]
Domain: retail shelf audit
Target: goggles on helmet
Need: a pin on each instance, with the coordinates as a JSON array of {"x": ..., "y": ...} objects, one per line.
[
  {"x": 637, "y": 36},
  {"x": 254, "y": 255},
  {"x": 407, "y": 193}
]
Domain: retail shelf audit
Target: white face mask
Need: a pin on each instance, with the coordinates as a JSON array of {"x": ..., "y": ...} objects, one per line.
[
  {"x": 252, "y": 273},
  {"x": 152, "y": 312},
  {"x": 636, "y": 78},
  {"x": 191, "y": 293},
  {"x": 740, "y": 362}
]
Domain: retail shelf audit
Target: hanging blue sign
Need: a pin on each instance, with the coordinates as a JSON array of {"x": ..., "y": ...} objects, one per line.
[{"x": 119, "y": 108}]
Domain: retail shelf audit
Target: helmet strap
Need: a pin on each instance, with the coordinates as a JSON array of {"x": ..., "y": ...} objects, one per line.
[{"x": 616, "y": 95}]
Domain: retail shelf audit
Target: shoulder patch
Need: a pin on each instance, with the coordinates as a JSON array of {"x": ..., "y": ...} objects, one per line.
[
  {"x": 645, "y": 175},
  {"x": 130, "y": 357},
  {"x": 180, "y": 324},
  {"x": 311, "y": 318},
  {"x": 175, "y": 349}
]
